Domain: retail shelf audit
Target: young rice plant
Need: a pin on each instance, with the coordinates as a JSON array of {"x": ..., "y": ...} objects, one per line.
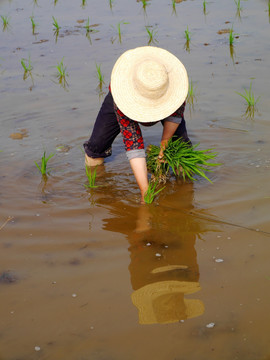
[
  {"x": 100, "y": 76},
  {"x": 248, "y": 95},
  {"x": 182, "y": 158},
  {"x": 62, "y": 72},
  {"x": 91, "y": 176},
  {"x": 151, "y": 192},
  {"x": 151, "y": 35},
  {"x": 33, "y": 23},
  {"x": 43, "y": 166},
  {"x": 55, "y": 24},
  {"x": 5, "y": 21}
]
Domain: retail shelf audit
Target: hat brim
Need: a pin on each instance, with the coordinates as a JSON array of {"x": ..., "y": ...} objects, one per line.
[{"x": 128, "y": 99}]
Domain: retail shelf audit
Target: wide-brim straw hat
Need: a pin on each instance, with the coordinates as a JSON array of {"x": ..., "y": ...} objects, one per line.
[
  {"x": 148, "y": 83},
  {"x": 163, "y": 302}
]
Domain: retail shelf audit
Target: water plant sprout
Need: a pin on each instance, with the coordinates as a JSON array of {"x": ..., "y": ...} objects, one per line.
[
  {"x": 87, "y": 26},
  {"x": 55, "y": 24},
  {"x": 187, "y": 35},
  {"x": 83, "y": 3},
  {"x": 111, "y": 3},
  {"x": 231, "y": 37},
  {"x": 151, "y": 35},
  {"x": 180, "y": 157},
  {"x": 144, "y": 4},
  {"x": 43, "y": 166},
  {"x": 238, "y": 5},
  {"x": 33, "y": 23},
  {"x": 118, "y": 26},
  {"x": 151, "y": 192},
  {"x": 188, "y": 38},
  {"x": 204, "y": 6},
  {"x": 191, "y": 93},
  {"x": 62, "y": 72},
  {"x": 27, "y": 67},
  {"x": 248, "y": 95},
  {"x": 5, "y": 20},
  {"x": 91, "y": 176},
  {"x": 100, "y": 76},
  {"x": 173, "y": 6}
]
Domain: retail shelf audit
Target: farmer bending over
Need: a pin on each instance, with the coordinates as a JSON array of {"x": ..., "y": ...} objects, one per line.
[{"x": 148, "y": 85}]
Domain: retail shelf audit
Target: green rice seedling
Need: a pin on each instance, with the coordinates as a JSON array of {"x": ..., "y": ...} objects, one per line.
[
  {"x": 100, "y": 76},
  {"x": 151, "y": 192},
  {"x": 231, "y": 37},
  {"x": 62, "y": 72},
  {"x": 119, "y": 32},
  {"x": 55, "y": 24},
  {"x": 188, "y": 38},
  {"x": 111, "y": 4},
  {"x": 55, "y": 2},
  {"x": 204, "y": 6},
  {"x": 238, "y": 5},
  {"x": 187, "y": 35},
  {"x": 182, "y": 158},
  {"x": 83, "y": 3},
  {"x": 151, "y": 35},
  {"x": 5, "y": 21},
  {"x": 27, "y": 67},
  {"x": 91, "y": 176},
  {"x": 89, "y": 30},
  {"x": 248, "y": 95},
  {"x": 191, "y": 93},
  {"x": 43, "y": 166},
  {"x": 87, "y": 26},
  {"x": 145, "y": 3},
  {"x": 33, "y": 23},
  {"x": 174, "y": 6}
]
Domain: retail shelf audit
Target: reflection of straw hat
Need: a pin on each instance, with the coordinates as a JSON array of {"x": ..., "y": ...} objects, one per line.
[
  {"x": 148, "y": 83},
  {"x": 163, "y": 302}
]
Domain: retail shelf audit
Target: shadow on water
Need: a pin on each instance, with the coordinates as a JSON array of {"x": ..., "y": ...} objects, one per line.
[{"x": 163, "y": 260}]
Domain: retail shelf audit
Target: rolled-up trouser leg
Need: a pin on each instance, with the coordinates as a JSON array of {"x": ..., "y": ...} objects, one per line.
[{"x": 105, "y": 130}]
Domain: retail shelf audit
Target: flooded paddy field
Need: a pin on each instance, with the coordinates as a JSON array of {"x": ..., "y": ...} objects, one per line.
[{"x": 91, "y": 274}]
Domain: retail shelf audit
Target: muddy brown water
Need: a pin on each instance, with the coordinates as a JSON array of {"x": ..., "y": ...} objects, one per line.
[{"x": 92, "y": 274}]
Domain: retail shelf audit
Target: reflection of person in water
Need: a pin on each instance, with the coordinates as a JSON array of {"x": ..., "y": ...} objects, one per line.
[{"x": 163, "y": 267}]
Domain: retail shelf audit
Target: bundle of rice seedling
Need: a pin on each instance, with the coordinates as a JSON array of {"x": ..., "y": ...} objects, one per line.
[{"x": 181, "y": 158}]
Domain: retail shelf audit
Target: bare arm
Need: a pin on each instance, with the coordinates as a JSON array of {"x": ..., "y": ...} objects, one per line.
[{"x": 139, "y": 169}]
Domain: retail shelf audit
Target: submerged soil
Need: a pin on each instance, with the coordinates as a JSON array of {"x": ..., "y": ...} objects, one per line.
[{"x": 91, "y": 274}]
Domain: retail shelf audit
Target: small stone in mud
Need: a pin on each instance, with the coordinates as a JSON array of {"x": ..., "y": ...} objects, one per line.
[
  {"x": 219, "y": 260},
  {"x": 210, "y": 325},
  {"x": 37, "y": 348},
  {"x": 74, "y": 295},
  {"x": 7, "y": 278}
]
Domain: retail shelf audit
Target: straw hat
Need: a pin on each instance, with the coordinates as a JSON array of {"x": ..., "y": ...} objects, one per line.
[
  {"x": 148, "y": 83},
  {"x": 163, "y": 302}
]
